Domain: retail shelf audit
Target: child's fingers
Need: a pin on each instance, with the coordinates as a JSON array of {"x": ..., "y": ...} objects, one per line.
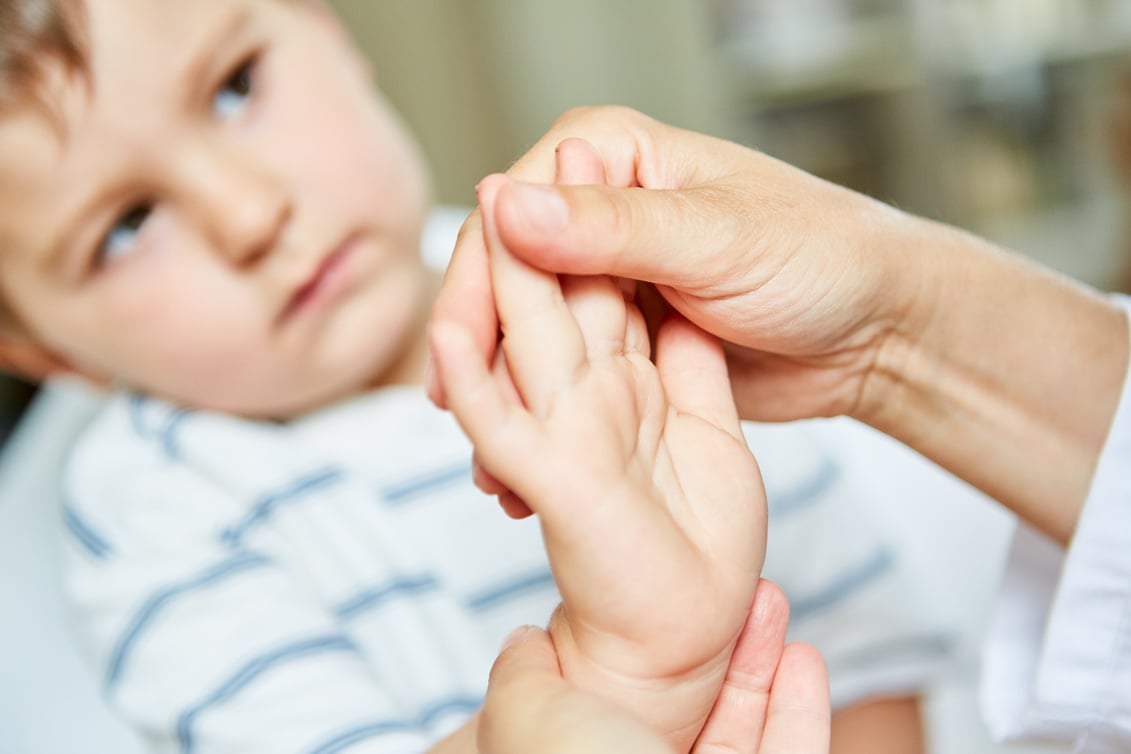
[
  {"x": 543, "y": 345},
  {"x": 693, "y": 370},
  {"x": 599, "y": 308},
  {"x": 511, "y": 504},
  {"x": 466, "y": 298},
  {"x": 596, "y": 301},
  {"x": 636, "y": 339},
  {"x": 497, "y": 425}
]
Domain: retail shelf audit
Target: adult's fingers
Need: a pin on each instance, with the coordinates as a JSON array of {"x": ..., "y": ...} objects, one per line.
[
  {"x": 736, "y": 721},
  {"x": 798, "y": 720},
  {"x": 523, "y": 678},
  {"x": 527, "y": 656},
  {"x": 596, "y": 301},
  {"x": 619, "y": 136},
  {"x": 530, "y": 708},
  {"x": 683, "y": 238}
]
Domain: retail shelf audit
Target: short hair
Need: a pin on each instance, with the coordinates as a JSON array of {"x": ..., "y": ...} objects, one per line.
[{"x": 34, "y": 35}]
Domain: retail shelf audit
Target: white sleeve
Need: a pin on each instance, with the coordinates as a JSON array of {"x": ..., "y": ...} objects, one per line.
[
  {"x": 1058, "y": 658},
  {"x": 209, "y": 649}
]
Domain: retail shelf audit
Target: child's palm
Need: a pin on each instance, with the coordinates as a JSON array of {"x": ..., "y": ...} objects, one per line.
[{"x": 651, "y": 505}]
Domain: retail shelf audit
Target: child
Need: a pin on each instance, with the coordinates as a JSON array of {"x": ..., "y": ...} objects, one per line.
[{"x": 204, "y": 200}]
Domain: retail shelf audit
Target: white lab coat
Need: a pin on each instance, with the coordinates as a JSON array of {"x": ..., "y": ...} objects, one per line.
[{"x": 1058, "y": 657}]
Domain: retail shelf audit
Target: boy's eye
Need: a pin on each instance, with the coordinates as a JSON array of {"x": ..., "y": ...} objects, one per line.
[
  {"x": 122, "y": 237},
  {"x": 236, "y": 90}
]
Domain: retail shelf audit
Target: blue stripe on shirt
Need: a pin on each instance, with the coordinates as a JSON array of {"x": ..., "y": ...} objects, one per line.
[
  {"x": 433, "y": 713},
  {"x": 808, "y": 492},
  {"x": 371, "y": 598},
  {"x": 849, "y": 582},
  {"x": 91, "y": 541},
  {"x": 216, "y": 574},
  {"x": 137, "y": 404},
  {"x": 408, "y": 490},
  {"x": 250, "y": 672},
  {"x": 141, "y": 417},
  {"x": 293, "y": 492},
  {"x": 169, "y": 433},
  {"x": 492, "y": 597}
]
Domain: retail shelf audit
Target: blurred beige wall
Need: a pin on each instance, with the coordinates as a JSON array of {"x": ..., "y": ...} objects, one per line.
[{"x": 480, "y": 80}]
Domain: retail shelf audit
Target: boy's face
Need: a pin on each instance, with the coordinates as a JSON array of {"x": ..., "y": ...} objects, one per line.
[{"x": 229, "y": 217}]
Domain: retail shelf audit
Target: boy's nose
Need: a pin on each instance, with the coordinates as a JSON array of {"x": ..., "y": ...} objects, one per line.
[{"x": 242, "y": 208}]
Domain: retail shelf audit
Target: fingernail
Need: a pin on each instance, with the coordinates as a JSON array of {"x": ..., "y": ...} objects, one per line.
[
  {"x": 541, "y": 208},
  {"x": 515, "y": 636}
]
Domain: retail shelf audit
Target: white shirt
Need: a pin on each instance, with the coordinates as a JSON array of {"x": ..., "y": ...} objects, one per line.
[
  {"x": 337, "y": 582},
  {"x": 1058, "y": 657}
]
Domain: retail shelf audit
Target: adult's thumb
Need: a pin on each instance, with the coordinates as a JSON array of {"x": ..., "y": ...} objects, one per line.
[
  {"x": 674, "y": 237},
  {"x": 527, "y": 655},
  {"x": 524, "y": 675}
]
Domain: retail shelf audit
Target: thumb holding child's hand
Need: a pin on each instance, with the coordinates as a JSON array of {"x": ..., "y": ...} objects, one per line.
[{"x": 775, "y": 699}]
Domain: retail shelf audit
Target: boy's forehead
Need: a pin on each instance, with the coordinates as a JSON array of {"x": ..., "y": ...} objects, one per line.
[
  {"x": 49, "y": 158},
  {"x": 136, "y": 48},
  {"x": 30, "y": 151},
  {"x": 171, "y": 27}
]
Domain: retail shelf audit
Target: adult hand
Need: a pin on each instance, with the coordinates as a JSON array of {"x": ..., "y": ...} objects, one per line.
[
  {"x": 651, "y": 505},
  {"x": 780, "y": 264},
  {"x": 829, "y": 302},
  {"x": 775, "y": 699}
]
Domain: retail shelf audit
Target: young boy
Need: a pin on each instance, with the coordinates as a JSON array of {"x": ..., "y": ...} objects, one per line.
[{"x": 204, "y": 200}]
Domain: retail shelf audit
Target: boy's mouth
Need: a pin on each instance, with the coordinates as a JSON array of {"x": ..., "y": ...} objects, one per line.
[{"x": 325, "y": 282}]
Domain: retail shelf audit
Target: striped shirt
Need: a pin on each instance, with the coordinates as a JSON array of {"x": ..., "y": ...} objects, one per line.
[{"x": 336, "y": 583}]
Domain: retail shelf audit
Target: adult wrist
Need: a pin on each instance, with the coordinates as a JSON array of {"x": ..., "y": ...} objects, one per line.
[
  {"x": 906, "y": 303},
  {"x": 1004, "y": 373}
]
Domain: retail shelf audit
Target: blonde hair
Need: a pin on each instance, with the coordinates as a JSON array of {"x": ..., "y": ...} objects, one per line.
[
  {"x": 33, "y": 35},
  {"x": 36, "y": 34}
]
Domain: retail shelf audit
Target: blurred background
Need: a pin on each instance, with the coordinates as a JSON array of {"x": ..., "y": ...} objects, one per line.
[
  {"x": 1003, "y": 116},
  {"x": 1008, "y": 117},
  {"x": 1011, "y": 118}
]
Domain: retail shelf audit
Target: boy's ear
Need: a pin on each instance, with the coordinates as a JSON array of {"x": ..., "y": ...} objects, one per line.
[{"x": 23, "y": 357}]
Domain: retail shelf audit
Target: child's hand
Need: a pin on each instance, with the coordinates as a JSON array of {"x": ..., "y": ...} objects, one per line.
[
  {"x": 775, "y": 699},
  {"x": 651, "y": 504},
  {"x": 576, "y": 163}
]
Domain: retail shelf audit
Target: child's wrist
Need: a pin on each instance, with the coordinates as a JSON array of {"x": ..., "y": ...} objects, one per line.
[{"x": 676, "y": 706}]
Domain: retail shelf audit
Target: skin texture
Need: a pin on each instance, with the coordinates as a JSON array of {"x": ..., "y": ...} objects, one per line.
[
  {"x": 167, "y": 234},
  {"x": 640, "y": 475},
  {"x": 829, "y": 303},
  {"x": 235, "y": 226},
  {"x": 864, "y": 727},
  {"x": 161, "y": 237},
  {"x": 774, "y": 700}
]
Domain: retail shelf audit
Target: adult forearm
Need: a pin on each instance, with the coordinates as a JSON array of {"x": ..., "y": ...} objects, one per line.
[{"x": 1005, "y": 374}]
